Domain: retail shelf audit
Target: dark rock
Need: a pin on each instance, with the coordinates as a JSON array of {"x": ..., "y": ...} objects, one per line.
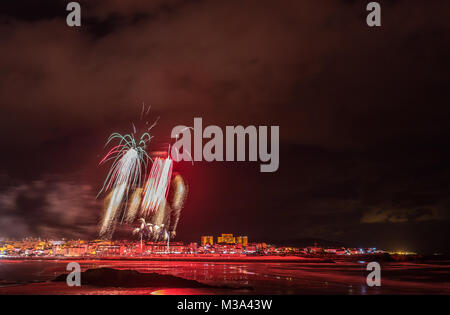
[{"x": 108, "y": 277}]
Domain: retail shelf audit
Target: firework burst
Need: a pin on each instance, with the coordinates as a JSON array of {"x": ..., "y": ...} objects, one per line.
[
  {"x": 126, "y": 193},
  {"x": 128, "y": 157}
]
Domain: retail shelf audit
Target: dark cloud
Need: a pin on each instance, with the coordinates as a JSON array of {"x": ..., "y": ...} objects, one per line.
[
  {"x": 362, "y": 112},
  {"x": 402, "y": 215},
  {"x": 50, "y": 207}
]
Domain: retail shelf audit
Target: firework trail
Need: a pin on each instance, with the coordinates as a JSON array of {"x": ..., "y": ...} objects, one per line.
[
  {"x": 157, "y": 186},
  {"x": 125, "y": 174},
  {"x": 112, "y": 202}
]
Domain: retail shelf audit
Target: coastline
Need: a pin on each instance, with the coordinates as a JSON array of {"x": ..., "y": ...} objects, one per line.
[{"x": 280, "y": 259}]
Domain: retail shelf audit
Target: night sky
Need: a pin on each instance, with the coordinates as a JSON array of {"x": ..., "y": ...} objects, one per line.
[{"x": 363, "y": 113}]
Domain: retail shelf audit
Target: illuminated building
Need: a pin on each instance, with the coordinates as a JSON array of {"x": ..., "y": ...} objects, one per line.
[
  {"x": 242, "y": 240},
  {"x": 75, "y": 251},
  {"x": 226, "y": 239},
  {"x": 207, "y": 240},
  {"x": 230, "y": 239}
]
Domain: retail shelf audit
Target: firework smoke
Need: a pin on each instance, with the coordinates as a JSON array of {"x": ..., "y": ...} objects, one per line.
[
  {"x": 133, "y": 206},
  {"x": 179, "y": 192}
]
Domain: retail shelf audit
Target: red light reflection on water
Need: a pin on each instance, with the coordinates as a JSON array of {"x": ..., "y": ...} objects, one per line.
[
  {"x": 182, "y": 291},
  {"x": 245, "y": 277}
]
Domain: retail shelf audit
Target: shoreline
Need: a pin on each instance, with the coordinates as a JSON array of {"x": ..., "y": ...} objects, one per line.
[
  {"x": 281, "y": 259},
  {"x": 235, "y": 258}
]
